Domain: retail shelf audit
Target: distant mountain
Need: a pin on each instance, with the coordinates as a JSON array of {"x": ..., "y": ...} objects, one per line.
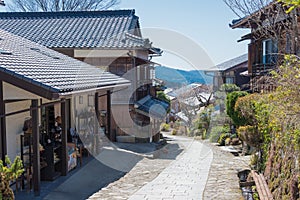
[{"x": 175, "y": 78}]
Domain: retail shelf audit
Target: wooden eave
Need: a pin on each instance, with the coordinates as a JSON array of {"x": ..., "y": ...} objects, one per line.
[
  {"x": 246, "y": 21},
  {"x": 30, "y": 86}
]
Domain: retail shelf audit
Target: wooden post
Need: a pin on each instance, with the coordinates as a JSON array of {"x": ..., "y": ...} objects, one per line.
[
  {"x": 36, "y": 147},
  {"x": 3, "y": 144},
  {"x": 111, "y": 137},
  {"x": 96, "y": 123},
  {"x": 97, "y": 105},
  {"x": 64, "y": 127}
]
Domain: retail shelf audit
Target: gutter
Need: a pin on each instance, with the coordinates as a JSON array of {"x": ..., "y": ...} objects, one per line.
[{"x": 106, "y": 87}]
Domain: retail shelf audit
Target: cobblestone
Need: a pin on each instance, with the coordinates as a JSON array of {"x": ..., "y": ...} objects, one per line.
[
  {"x": 223, "y": 182},
  {"x": 144, "y": 172},
  {"x": 151, "y": 178}
]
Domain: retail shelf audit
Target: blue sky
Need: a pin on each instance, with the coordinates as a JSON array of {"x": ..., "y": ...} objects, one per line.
[
  {"x": 192, "y": 33},
  {"x": 204, "y": 22}
]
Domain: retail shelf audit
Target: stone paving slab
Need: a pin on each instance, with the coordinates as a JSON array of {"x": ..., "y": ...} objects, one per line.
[
  {"x": 160, "y": 178},
  {"x": 184, "y": 178},
  {"x": 144, "y": 172},
  {"x": 223, "y": 182}
]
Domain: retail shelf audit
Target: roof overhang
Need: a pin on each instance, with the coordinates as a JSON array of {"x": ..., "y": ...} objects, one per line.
[
  {"x": 248, "y": 22},
  {"x": 48, "y": 92},
  {"x": 152, "y": 107},
  {"x": 105, "y": 87},
  {"x": 29, "y": 85},
  {"x": 146, "y": 62},
  {"x": 153, "y": 51},
  {"x": 245, "y": 73},
  {"x": 245, "y": 37}
]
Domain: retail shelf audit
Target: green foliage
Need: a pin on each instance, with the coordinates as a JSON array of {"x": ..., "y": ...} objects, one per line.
[
  {"x": 254, "y": 160},
  {"x": 255, "y": 109},
  {"x": 245, "y": 108},
  {"x": 165, "y": 127},
  {"x": 217, "y": 131},
  {"x": 250, "y": 135},
  {"x": 162, "y": 96},
  {"x": 230, "y": 107},
  {"x": 220, "y": 95},
  {"x": 272, "y": 125},
  {"x": 203, "y": 121},
  {"x": 174, "y": 132},
  {"x": 9, "y": 173},
  {"x": 228, "y": 88},
  {"x": 285, "y": 129},
  {"x": 223, "y": 137},
  {"x": 292, "y": 4}
]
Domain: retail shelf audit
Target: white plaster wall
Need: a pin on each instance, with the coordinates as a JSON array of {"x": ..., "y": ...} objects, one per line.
[
  {"x": 14, "y": 123},
  {"x": 87, "y": 53},
  {"x": 57, "y": 110},
  {"x": 14, "y": 126},
  {"x": 77, "y": 108},
  {"x": 12, "y": 92}
]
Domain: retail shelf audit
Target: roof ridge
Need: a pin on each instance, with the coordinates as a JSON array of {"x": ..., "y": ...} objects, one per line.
[{"x": 123, "y": 12}]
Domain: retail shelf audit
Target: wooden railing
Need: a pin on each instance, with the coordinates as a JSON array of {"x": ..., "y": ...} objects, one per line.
[{"x": 262, "y": 186}]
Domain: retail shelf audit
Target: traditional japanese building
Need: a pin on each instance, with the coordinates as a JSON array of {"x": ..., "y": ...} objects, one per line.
[
  {"x": 43, "y": 94},
  {"x": 110, "y": 40}
]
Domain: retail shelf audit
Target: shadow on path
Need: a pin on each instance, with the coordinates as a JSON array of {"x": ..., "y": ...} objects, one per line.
[{"x": 110, "y": 165}]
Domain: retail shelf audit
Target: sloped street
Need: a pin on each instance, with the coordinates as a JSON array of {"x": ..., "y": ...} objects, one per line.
[{"x": 184, "y": 169}]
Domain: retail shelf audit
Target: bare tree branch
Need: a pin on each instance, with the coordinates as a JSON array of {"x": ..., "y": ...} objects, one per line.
[{"x": 61, "y": 5}]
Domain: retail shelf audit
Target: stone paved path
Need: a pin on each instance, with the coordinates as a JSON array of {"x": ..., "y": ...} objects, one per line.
[
  {"x": 223, "y": 182},
  {"x": 180, "y": 160},
  {"x": 185, "y": 178},
  {"x": 183, "y": 169}
]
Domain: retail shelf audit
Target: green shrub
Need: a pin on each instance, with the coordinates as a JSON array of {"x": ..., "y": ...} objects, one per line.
[
  {"x": 250, "y": 135},
  {"x": 223, "y": 138},
  {"x": 231, "y": 99},
  {"x": 9, "y": 173},
  {"x": 227, "y": 141},
  {"x": 229, "y": 88},
  {"x": 216, "y": 132},
  {"x": 174, "y": 132},
  {"x": 204, "y": 135},
  {"x": 165, "y": 127}
]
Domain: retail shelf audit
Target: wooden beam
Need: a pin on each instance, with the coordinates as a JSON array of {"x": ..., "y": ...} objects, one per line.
[
  {"x": 48, "y": 93},
  {"x": 15, "y": 100},
  {"x": 261, "y": 186},
  {"x": 29, "y": 109},
  {"x": 96, "y": 123},
  {"x": 108, "y": 93},
  {"x": 3, "y": 142},
  {"x": 64, "y": 123},
  {"x": 36, "y": 149},
  {"x": 97, "y": 105}
]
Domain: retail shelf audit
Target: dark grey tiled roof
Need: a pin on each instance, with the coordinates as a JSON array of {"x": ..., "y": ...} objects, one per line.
[
  {"x": 230, "y": 63},
  {"x": 27, "y": 61},
  {"x": 93, "y": 29},
  {"x": 153, "y": 107}
]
